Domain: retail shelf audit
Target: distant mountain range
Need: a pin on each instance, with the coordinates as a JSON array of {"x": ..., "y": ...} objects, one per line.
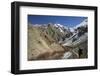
[{"x": 61, "y": 27}]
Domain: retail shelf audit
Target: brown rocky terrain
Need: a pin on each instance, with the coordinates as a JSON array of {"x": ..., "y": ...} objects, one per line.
[{"x": 42, "y": 46}]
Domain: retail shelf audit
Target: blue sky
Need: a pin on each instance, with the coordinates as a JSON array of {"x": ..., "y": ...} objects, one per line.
[{"x": 69, "y": 21}]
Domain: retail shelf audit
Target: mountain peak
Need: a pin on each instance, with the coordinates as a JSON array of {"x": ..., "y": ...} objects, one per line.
[{"x": 83, "y": 23}]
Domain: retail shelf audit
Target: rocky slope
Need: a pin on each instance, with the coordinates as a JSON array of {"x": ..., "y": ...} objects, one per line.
[{"x": 42, "y": 46}]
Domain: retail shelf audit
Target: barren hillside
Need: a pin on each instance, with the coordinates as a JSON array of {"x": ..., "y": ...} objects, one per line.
[{"x": 42, "y": 46}]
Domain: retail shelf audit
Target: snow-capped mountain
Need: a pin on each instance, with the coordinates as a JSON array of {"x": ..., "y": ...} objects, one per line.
[
  {"x": 80, "y": 35},
  {"x": 72, "y": 29},
  {"x": 83, "y": 23},
  {"x": 62, "y": 28},
  {"x": 58, "y": 25}
]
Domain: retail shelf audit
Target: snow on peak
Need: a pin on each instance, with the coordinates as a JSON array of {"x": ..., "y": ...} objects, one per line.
[
  {"x": 58, "y": 25},
  {"x": 72, "y": 29},
  {"x": 84, "y": 23}
]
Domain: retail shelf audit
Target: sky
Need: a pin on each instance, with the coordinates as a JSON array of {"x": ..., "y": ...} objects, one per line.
[{"x": 69, "y": 21}]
